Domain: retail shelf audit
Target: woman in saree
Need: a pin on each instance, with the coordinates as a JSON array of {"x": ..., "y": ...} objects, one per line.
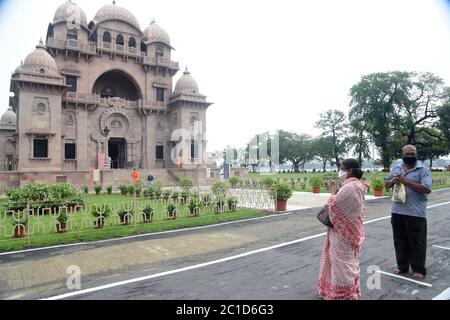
[{"x": 339, "y": 277}]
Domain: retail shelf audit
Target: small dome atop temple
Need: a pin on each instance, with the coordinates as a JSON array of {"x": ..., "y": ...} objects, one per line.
[
  {"x": 9, "y": 117},
  {"x": 39, "y": 61},
  {"x": 186, "y": 84},
  {"x": 154, "y": 33},
  {"x": 70, "y": 12}
]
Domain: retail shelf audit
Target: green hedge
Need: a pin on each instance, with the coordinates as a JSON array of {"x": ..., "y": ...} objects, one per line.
[{"x": 44, "y": 196}]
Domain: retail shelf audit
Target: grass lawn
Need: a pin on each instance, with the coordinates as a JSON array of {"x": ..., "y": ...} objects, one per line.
[
  {"x": 441, "y": 179},
  {"x": 42, "y": 229}
]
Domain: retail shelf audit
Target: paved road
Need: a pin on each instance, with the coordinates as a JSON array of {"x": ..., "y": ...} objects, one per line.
[{"x": 271, "y": 258}]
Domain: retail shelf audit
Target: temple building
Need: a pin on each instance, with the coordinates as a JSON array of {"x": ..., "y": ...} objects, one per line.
[{"x": 99, "y": 95}]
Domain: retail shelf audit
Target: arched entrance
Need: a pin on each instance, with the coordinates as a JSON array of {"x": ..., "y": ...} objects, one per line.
[
  {"x": 117, "y": 151},
  {"x": 117, "y": 83}
]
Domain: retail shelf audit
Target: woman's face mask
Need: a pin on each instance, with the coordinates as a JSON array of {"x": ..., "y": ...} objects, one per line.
[{"x": 342, "y": 174}]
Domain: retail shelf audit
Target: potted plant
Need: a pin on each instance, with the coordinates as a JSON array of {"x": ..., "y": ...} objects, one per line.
[
  {"x": 100, "y": 213},
  {"x": 377, "y": 185},
  {"x": 234, "y": 181},
  {"x": 86, "y": 189},
  {"x": 98, "y": 189},
  {"x": 20, "y": 227},
  {"x": 166, "y": 194},
  {"x": 125, "y": 215},
  {"x": 283, "y": 193},
  {"x": 219, "y": 188},
  {"x": 123, "y": 189},
  {"x": 232, "y": 202},
  {"x": 61, "y": 226},
  {"x": 316, "y": 182},
  {"x": 137, "y": 191},
  {"x": 130, "y": 190},
  {"x": 193, "y": 208},
  {"x": 148, "y": 212},
  {"x": 171, "y": 212},
  {"x": 109, "y": 189},
  {"x": 186, "y": 183},
  {"x": 268, "y": 182},
  {"x": 175, "y": 195},
  {"x": 148, "y": 192},
  {"x": 218, "y": 208},
  {"x": 184, "y": 195}
]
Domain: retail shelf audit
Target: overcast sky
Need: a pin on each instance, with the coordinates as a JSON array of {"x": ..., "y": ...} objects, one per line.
[{"x": 266, "y": 65}]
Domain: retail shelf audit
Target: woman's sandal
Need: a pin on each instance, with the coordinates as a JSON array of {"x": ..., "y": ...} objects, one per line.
[{"x": 417, "y": 276}]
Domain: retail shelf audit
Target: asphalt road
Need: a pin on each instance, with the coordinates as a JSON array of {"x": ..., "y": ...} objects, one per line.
[{"x": 272, "y": 258}]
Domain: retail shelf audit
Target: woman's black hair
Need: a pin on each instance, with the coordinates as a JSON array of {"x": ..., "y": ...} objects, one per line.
[{"x": 353, "y": 166}]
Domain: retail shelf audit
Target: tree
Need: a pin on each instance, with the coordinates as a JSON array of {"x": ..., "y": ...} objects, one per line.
[
  {"x": 296, "y": 149},
  {"x": 373, "y": 102},
  {"x": 396, "y": 105},
  {"x": 333, "y": 123},
  {"x": 444, "y": 118},
  {"x": 421, "y": 96},
  {"x": 359, "y": 141},
  {"x": 431, "y": 145},
  {"x": 323, "y": 147}
]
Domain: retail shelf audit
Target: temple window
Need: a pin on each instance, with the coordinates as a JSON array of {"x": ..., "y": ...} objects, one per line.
[
  {"x": 72, "y": 82},
  {"x": 159, "y": 52},
  {"x": 160, "y": 94},
  {"x": 132, "y": 42},
  {"x": 106, "y": 36},
  {"x": 69, "y": 151},
  {"x": 119, "y": 40},
  {"x": 40, "y": 148}
]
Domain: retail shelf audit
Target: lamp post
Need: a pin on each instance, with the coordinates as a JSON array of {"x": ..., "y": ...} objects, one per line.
[{"x": 106, "y": 132}]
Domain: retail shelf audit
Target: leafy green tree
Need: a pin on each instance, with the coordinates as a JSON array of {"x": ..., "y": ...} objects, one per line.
[
  {"x": 431, "y": 145},
  {"x": 334, "y": 125},
  {"x": 296, "y": 149},
  {"x": 323, "y": 147}
]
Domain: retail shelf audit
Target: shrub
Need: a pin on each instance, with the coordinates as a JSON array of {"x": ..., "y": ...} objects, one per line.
[
  {"x": 148, "y": 211},
  {"x": 192, "y": 205},
  {"x": 186, "y": 183},
  {"x": 43, "y": 196},
  {"x": 377, "y": 183},
  {"x": 123, "y": 189},
  {"x": 158, "y": 185},
  {"x": 63, "y": 217},
  {"x": 167, "y": 193},
  {"x": 130, "y": 189},
  {"x": 316, "y": 181},
  {"x": 123, "y": 213},
  {"x": 232, "y": 202},
  {"x": 97, "y": 188},
  {"x": 101, "y": 209},
  {"x": 148, "y": 192},
  {"x": 219, "y": 188},
  {"x": 283, "y": 191},
  {"x": 109, "y": 189},
  {"x": 86, "y": 189},
  {"x": 234, "y": 181},
  {"x": 268, "y": 182}
]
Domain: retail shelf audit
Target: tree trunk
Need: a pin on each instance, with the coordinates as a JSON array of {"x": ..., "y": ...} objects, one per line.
[
  {"x": 431, "y": 163},
  {"x": 324, "y": 165}
]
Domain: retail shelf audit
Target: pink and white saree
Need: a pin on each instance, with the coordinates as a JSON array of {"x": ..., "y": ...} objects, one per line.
[{"x": 339, "y": 277}]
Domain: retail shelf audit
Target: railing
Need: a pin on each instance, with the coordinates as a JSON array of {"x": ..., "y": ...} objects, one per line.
[
  {"x": 95, "y": 99},
  {"x": 161, "y": 61},
  {"x": 72, "y": 44},
  {"x": 137, "y": 212}
]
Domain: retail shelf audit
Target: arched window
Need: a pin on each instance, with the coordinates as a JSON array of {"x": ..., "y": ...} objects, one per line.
[
  {"x": 132, "y": 42},
  {"x": 107, "y": 37},
  {"x": 119, "y": 40},
  {"x": 143, "y": 48},
  {"x": 159, "y": 52}
]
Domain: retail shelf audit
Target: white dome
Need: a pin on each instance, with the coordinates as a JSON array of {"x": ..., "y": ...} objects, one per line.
[
  {"x": 186, "y": 84},
  {"x": 9, "y": 117},
  {"x": 69, "y": 12},
  {"x": 40, "y": 61},
  {"x": 115, "y": 12},
  {"x": 154, "y": 33}
]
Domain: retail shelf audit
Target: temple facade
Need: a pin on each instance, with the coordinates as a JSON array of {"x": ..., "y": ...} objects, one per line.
[{"x": 100, "y": 95}]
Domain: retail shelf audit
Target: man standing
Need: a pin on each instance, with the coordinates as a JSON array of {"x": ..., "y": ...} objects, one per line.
[
  {"x": 408, "y": 219},
  {"x": 150, "y": 179}
]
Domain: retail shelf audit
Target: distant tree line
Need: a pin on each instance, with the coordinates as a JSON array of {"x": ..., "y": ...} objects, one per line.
[{"x": 387, "y": 110}]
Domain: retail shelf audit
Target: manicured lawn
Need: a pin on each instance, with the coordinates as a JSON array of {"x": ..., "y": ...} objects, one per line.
[
  {"x": 442, "y": 179},
  {"x": 41, "y": 229}
]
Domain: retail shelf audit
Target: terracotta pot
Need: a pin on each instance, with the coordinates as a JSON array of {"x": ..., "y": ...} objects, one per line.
[
  {"x": 97, "y": 193},
  {"x": 218, "y": 209},
  {"x": 149, "y": 219},
  {"x": 61, "y": 228},
  {"x": 316, "y": 189},
  {"x": 378, "y": 192},
  {"x": 99, "y": 223},
  {"x": 172, "y": 215},
  {"x": 19, "y": 232},
  {"x": 281, "y": 205}
]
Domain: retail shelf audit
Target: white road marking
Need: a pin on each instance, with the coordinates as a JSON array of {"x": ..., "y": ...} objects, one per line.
[
  {"x": 404, "y": 278},
  {"x": 440, "y": 247},
  {"x": 438, "y": 205},
  {"x": 145, "y": 234},
  {"x": 444, "y": 295},
  {"x": 201, "y": 265},
  {"x": 196, "y": 266}
]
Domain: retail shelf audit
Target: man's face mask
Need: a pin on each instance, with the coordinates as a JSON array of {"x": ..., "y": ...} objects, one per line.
[{"x": 410, "y": 160}]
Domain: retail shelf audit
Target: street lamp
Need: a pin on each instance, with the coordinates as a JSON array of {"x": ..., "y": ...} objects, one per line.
[{"x": 106, "y": 132}]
